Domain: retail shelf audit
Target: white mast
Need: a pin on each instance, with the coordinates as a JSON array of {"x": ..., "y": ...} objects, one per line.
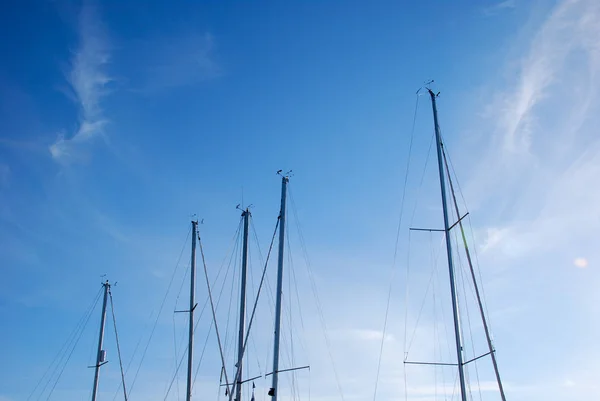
[
  {"x": 101, "y": 355},
  {"x": 459, "y": 347},
  {"x": 239, "y": 364},
  {"x": 273, "y": 390},
  {"x": 188, "y": 396}
]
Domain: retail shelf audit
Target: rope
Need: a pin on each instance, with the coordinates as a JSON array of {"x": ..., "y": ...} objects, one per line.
[
  {"x": 129, "y": 364},
  {"x": 465, "y": 307},
  {"x": 293, "y": 375},
  {"x": 406, "y": 298},
  {"x": 71, "y": 352},
  {"x": 315, "y": 293},
  {"x": 212, "y": 306},
  {"x": 449, "y": 160},
  {"x": 176, "y": 353},
  {"x": 237, "y": 374},
  {"x": 187, "y": 347},
  {"x": 230, "y": 339},
  {"x": 269, "y": 290},
  {"x": 63, "y": 348},
  {"x": 429, "y": 285},
  {"x": 260, "y": 369},
  {"x": 162, "y": 304},
  {"x": 462, "y": 278},
  {"x": 393, "y": 274},
  {"x": 178, "y": 365},
  {"x": 481, "y": 304},
  {"x": 202, "y": 354},
  {"x": 112, "y": 310}
]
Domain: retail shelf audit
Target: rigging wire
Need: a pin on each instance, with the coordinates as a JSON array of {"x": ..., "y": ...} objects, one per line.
[
  {"x": 183, "y": 280},
  {"x": 212, "y": 306},
  {"x": 129, "y": 363},
  {"x": 406, "y": 316},
  {"x": 112, "y": 310},
  {"x": 246, "y": 318},
  {"x": 407, "y": 278},
  {"x": 187, "y": 347},
  {"x": 160, "y": 309},
  {"x": 262, "y": 261},
  {"x": 464, "y": 306},
  {"x": 291, "y": 325},
  {"x": 393, "y": 273},
  {"x": 176, "y": 353},
  {"x": 480, "y": 285},
  {"x": 462, "y": 273},
  {"x": 64, "y": 347},
  {"x": 262, "y": 279},
  {"x": 474, "y": 289},
  {"x": 202, "y": 354},
  {"x": 447, "y": 336},
  {"x": 70, "y": 353},
  {"x": 292, "y": 278},
  {"x": 429, "y": 285},
  {"x": 178, "y": 365},
  {"x": 435, "y": 329},
  {"x": 231, "y": 341},
  {"x": 315, "y": 293},
  {"x": 229, "y": 254}
]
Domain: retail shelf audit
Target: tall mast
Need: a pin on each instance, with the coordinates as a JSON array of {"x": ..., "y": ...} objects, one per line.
[
  {"x": 188, "y": 396},
  {"x": 488, "y": 336},
  {"x": 273, "y": 391},
  {"x": 239, "y": 365},
  {"x": 438, "y": 142},
  {"x": 100, "y": 356}
]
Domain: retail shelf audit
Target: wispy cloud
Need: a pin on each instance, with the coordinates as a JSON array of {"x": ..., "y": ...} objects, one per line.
[
  {"x": 539, "y": 122},
  {"x": 88, "y": 81},
  {"x": 166, "y": 63},
  {"x": 535, "y": 182},
  {"x": 571, "y": 27},
  {"x": 499, "y": 7}
]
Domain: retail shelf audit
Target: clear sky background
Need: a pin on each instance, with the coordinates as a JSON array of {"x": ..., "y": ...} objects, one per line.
[{"x": 120, "y": 120}]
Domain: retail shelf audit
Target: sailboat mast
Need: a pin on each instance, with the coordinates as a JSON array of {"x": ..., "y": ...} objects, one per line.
[
  {"x": 438, "y": 141},
  {"x": 488, "y": 336},
  {"x": 273, "y": 391},
  {"x": 100, "y": 356},
  {"x": 239, "y": 365},
  {"x": 188, "y": 396}
]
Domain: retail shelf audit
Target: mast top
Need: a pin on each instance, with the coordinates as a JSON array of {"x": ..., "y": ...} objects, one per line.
[
  {"x": 245, "y": 211},
  {"x": 286, "y": 176}
]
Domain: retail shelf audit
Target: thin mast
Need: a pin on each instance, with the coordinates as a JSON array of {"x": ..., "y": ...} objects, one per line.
[
  {"x": 188, "y": 396},
  {"x": 483, "y": 319},
  {"x": 273, "y": 391},
  {"x": 100, "y": 356},
  {"x": 461, "y": 373},
  {"x": 239, "y": 364}
]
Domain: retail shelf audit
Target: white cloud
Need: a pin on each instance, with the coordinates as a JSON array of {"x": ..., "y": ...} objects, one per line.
[
  {"x": 570, "y": 27},
  {"x": 499, "y": 7},
  {"x": 543, "y": 153},
  {"x": 163, "y": 63},
  {"x": 537, "y": 202},
  {"x": 88, "y": 81}
]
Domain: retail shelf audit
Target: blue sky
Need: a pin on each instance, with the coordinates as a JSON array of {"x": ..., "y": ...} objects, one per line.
[{"x": 118, "y": 122}]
